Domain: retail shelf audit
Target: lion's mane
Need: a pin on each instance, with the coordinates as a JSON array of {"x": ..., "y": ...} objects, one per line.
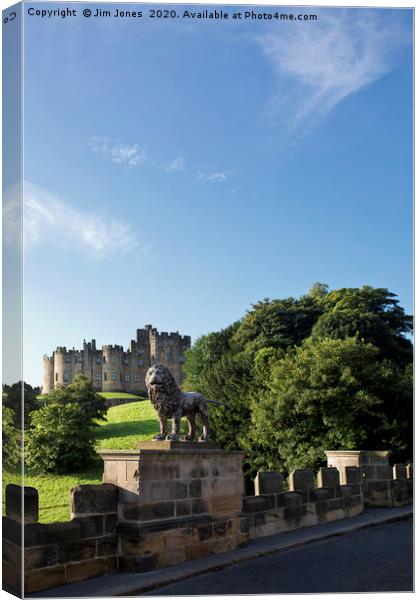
[{"x": 165, "y": 397}]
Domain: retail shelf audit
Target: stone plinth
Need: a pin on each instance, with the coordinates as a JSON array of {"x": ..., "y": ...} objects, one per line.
[
  {"x": 374, "y": 463},
  {"x": 168, "y": 480}
]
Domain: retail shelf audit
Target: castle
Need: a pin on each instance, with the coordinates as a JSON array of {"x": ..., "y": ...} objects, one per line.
[{"x": 111, "y": 369}]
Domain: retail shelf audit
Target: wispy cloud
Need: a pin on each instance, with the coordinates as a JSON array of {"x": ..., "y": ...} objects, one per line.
[
  {"x": 179, "y": 164},
  {"x": 134, "y": 155},
  {"x": 215, "y": 176},
  {"x": 52, "y": 221},
  {"x": 127, "y": 155},
  {"x": 320, "y": 64}
]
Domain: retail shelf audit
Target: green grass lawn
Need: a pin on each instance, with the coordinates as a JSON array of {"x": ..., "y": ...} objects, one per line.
[
  {"x": 112, "y": 395},
  {"x": 125, "y": 426}
]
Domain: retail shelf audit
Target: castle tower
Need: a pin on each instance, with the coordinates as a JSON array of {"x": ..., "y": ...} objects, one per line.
[
  {"x": 48, "y": 374},
  {"x": 63, "y": 372},
  {"x": 112, "y": 369}
]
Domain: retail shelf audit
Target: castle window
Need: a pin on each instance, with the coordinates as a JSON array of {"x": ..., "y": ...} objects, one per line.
[
  {"x": 98, "y": 360},
  {"x": 181, "y": 359},
  {"x": 103, "y": 359},
  {"x": 153, "y": 357},
  {"x": 141, "y": 352},
  {"x": 141, "y": 362},
  {"x": 127, "y": 377},
  {"x": 120, "y": 376},
  {"x": 105, "y": 376},
  {"x": 67, "y": 358},
  {"x": 114, "y": 376},
  {"x": 98, "y": 377},
  {"x": 136, "y": 378},
  {"x": 79, "y": 358},
  {"x": 65, "y": 376},
  {"x": 125, "y": 360},
  {"x": 56, "y": 376}
]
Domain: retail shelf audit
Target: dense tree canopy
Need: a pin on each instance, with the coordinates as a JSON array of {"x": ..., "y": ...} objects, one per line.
[
  {"x": 328, "y": 370},
  {"x": 13, "y": 397}
]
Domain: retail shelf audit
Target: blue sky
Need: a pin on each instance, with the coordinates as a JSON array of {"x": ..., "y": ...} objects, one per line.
[{"x": 179, "y": 171}]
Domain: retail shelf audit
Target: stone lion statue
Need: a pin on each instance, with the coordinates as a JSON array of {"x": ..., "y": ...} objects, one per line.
[{"x": 171, "y": 403}]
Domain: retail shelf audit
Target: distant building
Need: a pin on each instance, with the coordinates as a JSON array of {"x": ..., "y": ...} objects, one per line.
[{"x": 111, "y": 368}]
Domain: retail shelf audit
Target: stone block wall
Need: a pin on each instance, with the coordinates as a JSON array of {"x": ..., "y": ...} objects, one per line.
[
  {"x": 273, "y": 510},
  {"x": 169, "y": 502},
  {"x": 177, "y": 502},
  {"x": 59, "y": 553},
  {"x": 383, "y": 485}
]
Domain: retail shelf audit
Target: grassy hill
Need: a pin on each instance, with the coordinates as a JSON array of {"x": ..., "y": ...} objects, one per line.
[{"x": 125, "y": 426}]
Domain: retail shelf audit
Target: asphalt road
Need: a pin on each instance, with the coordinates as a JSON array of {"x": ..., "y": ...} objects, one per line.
[{"x": 372, "y": 560}]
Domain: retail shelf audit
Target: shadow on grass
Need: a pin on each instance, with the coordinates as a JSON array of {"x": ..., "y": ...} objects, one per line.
[{"x": 127, "y": 428}]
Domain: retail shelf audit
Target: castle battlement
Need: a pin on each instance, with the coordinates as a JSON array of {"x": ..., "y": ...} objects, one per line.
[{"x": 112, "y": 368}]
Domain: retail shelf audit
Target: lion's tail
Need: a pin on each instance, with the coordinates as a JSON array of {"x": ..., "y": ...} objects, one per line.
[{"x": 218, "y": 403}]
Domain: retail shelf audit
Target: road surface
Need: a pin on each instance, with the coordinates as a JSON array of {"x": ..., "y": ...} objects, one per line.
[{"x": 372, "y": 560}]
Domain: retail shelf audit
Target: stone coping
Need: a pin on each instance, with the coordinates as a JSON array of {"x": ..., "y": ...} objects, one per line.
[
  {"x": 380, "y": 453},
  {"x": 136, "y": 454},
  {"x": 171, "y": 445}
]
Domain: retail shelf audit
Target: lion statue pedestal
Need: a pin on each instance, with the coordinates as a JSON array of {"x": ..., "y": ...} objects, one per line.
[{"x": 171, "y": 494}]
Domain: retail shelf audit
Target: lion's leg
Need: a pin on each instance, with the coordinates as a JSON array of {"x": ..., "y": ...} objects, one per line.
[
  {"x": 163, "y": 425},
  {"x": 191, "y": 428},
  {"x": 206, "y": 429},
  {"x": 175, "y": 427}
]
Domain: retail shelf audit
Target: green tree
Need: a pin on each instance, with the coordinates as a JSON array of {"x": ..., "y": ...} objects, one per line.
[
  {"x": 81, "y": 393},
  {"x": 60, "y": 439},
  {"x": 373, "y": 314},
  {"x": 10, "y": 440},
  {"x": 14, "y": 395},
  {"x": 277, "y": 323},
  {"x": 329, "y": 394}
]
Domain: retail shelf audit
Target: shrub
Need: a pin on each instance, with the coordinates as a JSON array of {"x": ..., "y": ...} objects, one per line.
[
  {"x": 10, "y": 451},
  {"x": 81, "y": 393},
  {"x": 60, "y": 439}
]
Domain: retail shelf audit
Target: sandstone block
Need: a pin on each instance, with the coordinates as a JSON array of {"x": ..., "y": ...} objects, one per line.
[
  {"x": 183, "y": 508},
  {"x": 10, "y": 552},
  {"x": 226, "y": 504},
  {"x": 353, "y": 475},
  {"x": 36, "y": 557},
  {"x": 194, "y": 551},
  {"x": 199, "y": 506},
  {"x": 268, "y": 482},
  {"x": 328, "y": 477},
  {"x": 145, "y": 512},
  {"x": 90, "y": 568},
  {"x": 288, "y": 499},
  {"x": 76, "y": 551},
  {"x": 158, "y": 491},
  {"x": 319, "y": 494},
  {"x": 254, "y": 504},
  {"x": 14, "y": 503},
  {"x": 87, "y": 498},
  {"x": 110, "y": 523},
  {"x": 107, "y": 545},
  {"x": 194, "y": 488},
  {"x": 301, "y": 480},
  {"x": 12, "y": 576},
  {"x": 40, "y": 579},
  {"x": 171, "y": 557},
  {"x": 139, "y": 564}
]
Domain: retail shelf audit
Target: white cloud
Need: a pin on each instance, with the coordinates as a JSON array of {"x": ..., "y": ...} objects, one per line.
[
  {"x": 319, "y": 64},
  {"x": 49, "y": 220},
  {"x": 215, "y": 176},
  {"x": 178, "y": 164},
  {"x": 118, "y": 153}
]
